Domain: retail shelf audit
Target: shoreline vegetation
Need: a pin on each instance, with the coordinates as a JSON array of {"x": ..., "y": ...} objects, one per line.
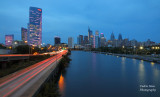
[
  {"x": 50, "y": 87},
  {"x": 146, "y": 54}
]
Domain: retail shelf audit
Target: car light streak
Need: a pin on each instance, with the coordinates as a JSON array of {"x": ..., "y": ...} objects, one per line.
[{"x": 27, "y": 75}]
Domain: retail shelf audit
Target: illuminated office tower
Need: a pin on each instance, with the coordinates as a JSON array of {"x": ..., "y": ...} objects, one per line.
[
  {"x": 9, "y": 39},
  {"x": 35, "y": 26},
  {"x": 85, "y": 41},
  {"x": 102, "y": 40},
  {"x": 80, "y": 40},
  {"x": 24, "y": 34},
  {"x": 97, "y": 43},
  {"x": 70, "y": 42},
  {"x": 90, "y": 36}
]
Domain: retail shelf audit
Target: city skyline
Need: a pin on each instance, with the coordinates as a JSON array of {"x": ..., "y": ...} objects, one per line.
[{"x": 74, "y": 22}]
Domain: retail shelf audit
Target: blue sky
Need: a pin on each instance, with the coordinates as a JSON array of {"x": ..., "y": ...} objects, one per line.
[{"x": 134, "y": 19}]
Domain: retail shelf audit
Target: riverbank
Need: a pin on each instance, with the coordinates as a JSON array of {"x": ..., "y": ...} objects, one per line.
[
  {"x": 50, "y": 87},
  {"x": 148, "y": 58}
]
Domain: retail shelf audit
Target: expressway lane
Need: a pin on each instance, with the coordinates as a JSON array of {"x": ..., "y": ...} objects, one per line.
[{"x": 14, "y": 85}]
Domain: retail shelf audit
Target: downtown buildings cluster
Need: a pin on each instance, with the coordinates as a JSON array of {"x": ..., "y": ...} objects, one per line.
[
  {"x": 32, "y": 35},
  {"x": 99, "y": 40}
]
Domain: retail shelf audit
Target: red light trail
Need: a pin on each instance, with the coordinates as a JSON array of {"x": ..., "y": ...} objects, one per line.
[{"x": 11, "y": 85}]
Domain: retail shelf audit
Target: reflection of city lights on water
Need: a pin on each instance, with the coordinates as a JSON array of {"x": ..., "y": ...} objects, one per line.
[
  {"x": 61, "y": 84},
  {"x": 152, "y": 63},
  {"x": 117, "y": 56}
]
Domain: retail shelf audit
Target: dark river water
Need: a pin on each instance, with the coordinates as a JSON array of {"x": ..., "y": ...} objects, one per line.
[{"x": 99, "y": 75}]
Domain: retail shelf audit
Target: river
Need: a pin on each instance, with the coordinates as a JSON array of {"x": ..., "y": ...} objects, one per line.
[{"x": 99, "y": 75}]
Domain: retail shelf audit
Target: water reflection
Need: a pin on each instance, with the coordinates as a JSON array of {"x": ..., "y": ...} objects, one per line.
[
  {"x": 152, "y": 63},
  {"x": 94, "y": 61},
  {"x": 61, "y": 85},
  {"x": 141, "y": 71}
]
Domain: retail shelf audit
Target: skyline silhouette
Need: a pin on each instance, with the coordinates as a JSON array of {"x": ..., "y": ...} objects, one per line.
[{"x": 65, "y": 19}]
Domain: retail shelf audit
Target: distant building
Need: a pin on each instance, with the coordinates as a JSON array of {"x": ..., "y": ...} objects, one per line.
[
  {"x": 70, "y": 42},
  {"x": 126, "y": 42},
  {"x": 97, "y": 40},
  {"x": 115, "y": 43},
  {"x": 112, "y": 37},
  {"x": 57, "y": 40},
  {"x": 85, "y": 40},
  {"x": 9, "y": 39},
  {"x": 102, "y": 40},
  {"x": 92, "y": 41},
  {"x": 80, "y": 40},
  {"x": 35, "y": 26},
  {"x": 90, "y": 36},
  {"x": 120, "y": 37},
  {"x": 134, "y": 43},
  {"x": 24, "y": 34},
  {"x": 16, "y": 43}
]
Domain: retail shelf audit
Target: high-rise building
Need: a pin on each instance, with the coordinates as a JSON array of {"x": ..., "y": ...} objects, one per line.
[
  {"x": 24, "y": 34},
  {"x": 70, "y": 42},
  {"x": 85, "y": 40},
  {"x": 112, "y": 37},
  {"x": 9, "y": 39},
  {"x": 80, "y": 40},
  {"x": 133, "y": 43},
  {"x": 92, "y": 40},
  {"x": 97, "y": 42},
  {"x": 102, "y": 40},
  {"x": 57, "y": 40},
  {"x": 90, "y": 36},
  {"x": 120, "y": 37},
  {"x": 35, "y": 26}
]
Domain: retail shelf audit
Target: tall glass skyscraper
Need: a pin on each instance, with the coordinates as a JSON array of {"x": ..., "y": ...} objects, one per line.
[
  {"x": 112, "y": 37},
  {"x": 24, "y": 34},
  {"x": 90, "y": 36},
  {"x": 70, "y": 42},
  {"x": 9, "y": 39},
  {"x": 97, "y": 43},
  {"x": 35, "y": 26}
]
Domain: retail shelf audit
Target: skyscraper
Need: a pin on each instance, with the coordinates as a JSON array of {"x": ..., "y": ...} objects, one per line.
[
  {"x": 35, "y": 26},
  {"x": 70, "y": 42},
  {"x": 80, "y": 39},
  {"x": 112, "y": 37},
  {"x": 85, "y": 40},
  {"x": 120, "y": 37},
  {"x": 90, "y": 36},
  {"x": 24, "y": 34},
  {"x": 97, "y": 43},
  {"x": 57, "y": 40},
  {"x": 102, "y": 40},
  {"x": 9, "y": 39}
]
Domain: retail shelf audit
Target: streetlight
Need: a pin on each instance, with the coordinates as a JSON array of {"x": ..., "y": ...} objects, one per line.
[{"x": 141, "y": 47}]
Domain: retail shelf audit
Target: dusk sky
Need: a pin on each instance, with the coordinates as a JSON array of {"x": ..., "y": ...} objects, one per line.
[{"x": 134, "y": 19}]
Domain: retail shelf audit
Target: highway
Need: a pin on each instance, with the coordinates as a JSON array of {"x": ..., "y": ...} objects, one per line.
[{"x": 18, "y": 84}]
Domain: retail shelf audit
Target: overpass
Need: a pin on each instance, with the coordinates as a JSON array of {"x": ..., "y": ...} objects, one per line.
[{"x": 27, "y": 81}]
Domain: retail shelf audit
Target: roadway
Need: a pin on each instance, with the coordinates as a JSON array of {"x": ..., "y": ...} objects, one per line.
[{"x": 18, "y": 84}]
